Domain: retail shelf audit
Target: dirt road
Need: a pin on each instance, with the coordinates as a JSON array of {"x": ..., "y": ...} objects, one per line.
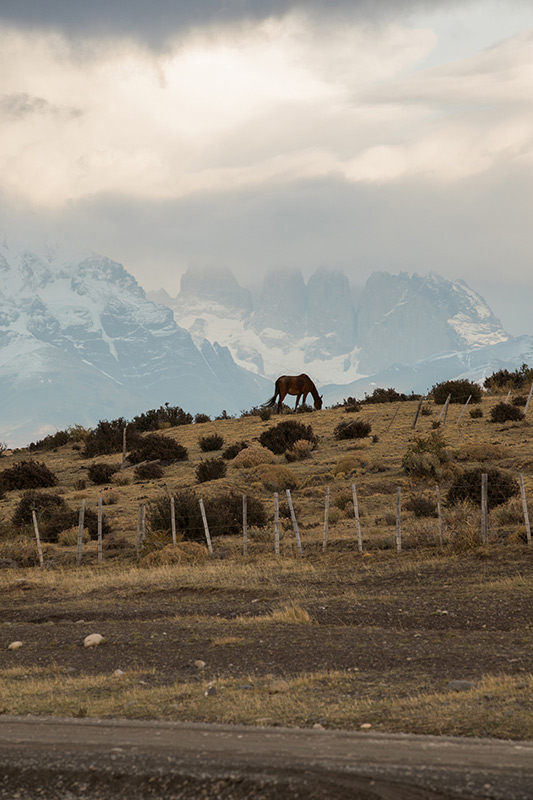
[{"x": 65, "y": 758}]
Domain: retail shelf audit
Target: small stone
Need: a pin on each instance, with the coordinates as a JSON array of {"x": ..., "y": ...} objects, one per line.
[
  {"x": 460, "y": 686},
  {"x": 365, "y": 726},
  {"x": 117, "y": 673},
  {"x": 199, "y": 664},
  {"x": 93, "y": 640},
  {"x": 276, "y": 687},
  {"x": 318, "y": 726},
  {"x": 14, "y": 646}
]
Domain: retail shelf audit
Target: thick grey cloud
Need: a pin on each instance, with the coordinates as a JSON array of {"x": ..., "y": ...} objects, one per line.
[
  {"x": 21, "y": 105},
  {"x": 156, "y": 21}
]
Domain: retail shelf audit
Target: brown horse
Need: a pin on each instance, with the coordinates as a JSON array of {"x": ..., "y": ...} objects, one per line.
[{"x": 299, "y": 385}]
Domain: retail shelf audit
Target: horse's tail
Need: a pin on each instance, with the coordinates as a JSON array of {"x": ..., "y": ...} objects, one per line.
[{"x": 272, "y": 402}]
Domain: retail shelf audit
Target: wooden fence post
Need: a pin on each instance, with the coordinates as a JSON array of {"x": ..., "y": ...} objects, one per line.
[
  {"x": 294, "y": 522},
  {"x": 357, "y": 521},
  {"x": 206, "y": 528},
  {"x": 173, "y": 519},
  {"x": 99, "y": 530},
  {"x": 484, "y": 508},
  {"x": 326, "y": 520},
  {"x": 244, "y": 525},
  {"x": 123, "y": 445},
  {"x": 524, "y": 508},
  {"x": 389, "y": 426},
  {"x": 463, "y": 409},
  {"x": 528, "y": 400},
  {"x": 508, "y": 396},
  {"x": 37, "y": 539},
  {"x": 439, "y": 514},
  {"x": 276, "y": 523},
  {"x": 444, "y": 410},
  {"x": 80, "y": 532},
  {"x": 139, "y": 531},
  {"x": 398, "y": 519},
  {"x": 418, "y": 411}
]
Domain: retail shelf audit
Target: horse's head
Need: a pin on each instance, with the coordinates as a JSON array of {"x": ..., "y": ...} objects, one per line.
[{"x": 318, "y": 403}]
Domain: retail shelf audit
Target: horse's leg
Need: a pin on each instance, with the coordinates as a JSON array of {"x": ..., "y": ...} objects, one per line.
[
  {"x": 297, "y": 401},
  {"x": 280, "y": 402},
  {"x": 305, "y": 398}
]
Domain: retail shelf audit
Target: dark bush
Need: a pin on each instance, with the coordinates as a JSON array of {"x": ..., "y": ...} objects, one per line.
[
  {"x": 231, "y": 451},
  {"x": 51, "y": 441},
  {"x": 351, "y": 406},
  {"x": 156, "y": 447},
  {"x": 520, "y": 400},
  {"x": 425, "y": 455},
  {"x": 421, "y": 506},
  {"x": 352, "y": 430},
  {"x": 265, "y": 414},
  {"x": 164, "y": 416},
  {"x": 101, "y": 473},
  {"x": 211, "y": 442},
  {"x": 199, "y": 418},
  {"x": 148, "y": 472},
  {"x": 501, "y": 487},
  {"x": 518, "y": 379},
  {"x": 210, "y": 470},
  {"x": 224, "y": 415},
  {"x": 504, "y": 412},
  {"x": 54, "y": 516},
  {"x": 388, "y": 396},
  {"x": 476, "y": 413},
  {"x": 223, "y": 512},
  {"x": 459, "y": 390},
  {"x": 285, "y": 434},
  {"x": 27, "y": 475},
  {"x": 107, "y": 438}
]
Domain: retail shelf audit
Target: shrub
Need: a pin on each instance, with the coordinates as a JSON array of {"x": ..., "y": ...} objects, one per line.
[
  {"x": 51, "y": 441},
  {"x": 459, "y": 391},
  {"x": 224, "y": 415},
  {"x": 513, "y": 380},
  {"x": 352, "y": 408},
  {"x": 164, "y": 416},
  {"x": 276, "y": 478},
  {"x": 223, "y": 512},
  {"x": 467, "y": 486},
  {"x": 54, "y": 516},
  {"x": 200, "y": 418},
  {"x": 352, "y": 430},
  {"x": 156, "y": 447},
  {"x": 282, "y": 437},
  {"x": 388, "y": 396},
  {"x": 504, "y": 412},
  {"x": 211, "y": 442},
  {"x": 210, "y": 470},
  {"x": 107, "y": 438},
  {"x": 476, "y": 413},
  {"x": 27, "y": 475},
  {"x": 148, "y": 472},
  {"x": 265, "y": 414},
  {"x": 425, "y": 455},
  {"x": 101, "y": 473},
  {"x": 253, "y": 456},
  {"x": 233, "y": 450},
  {"x": 69, "y": 538},
  {"x": 520, "y": 400},
  {"x": 300, "y": 450},
  {"x": 421, "y": 506},
  {"x": 347, "y": 464},
  {"x": 480, "y": 452}
]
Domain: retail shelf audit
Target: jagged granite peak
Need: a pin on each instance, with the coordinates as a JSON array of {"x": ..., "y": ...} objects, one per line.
[
  {"x": 282, "y": 305},
  {"x": 330, "y": 311},
  {"x": 211, "y": 289},
  {"x": 403, "y": 318},
  {"x": 81, "y": 327}
]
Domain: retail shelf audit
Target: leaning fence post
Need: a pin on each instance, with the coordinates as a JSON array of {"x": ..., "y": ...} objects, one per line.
[
  {"x": 463, "y": 409},
  {"x": 173, "y": 519},
  {"x": 524, "y": 507},
  {"x": 99, "y": 530},
  {"x": 357, "y": 521},
  {"x": 294, "y": 522},
  {"x": 439, "y": 514},
  {"x": 244, "y": 525},
  {"x": 528, "y": 400},
  {"x": 326, "y": 519},
  {"x": 37, "y": 538},
  {"x": 276, "y": 523},
  {"x": 389, "y": 426},
  {"x": 417, "y": 411},
  {"x": 80, "y": 532},
  {"x": 484, "y": 508},
  {"x": 444, "y": 410},
  {"x": 206, "y": 528},
  {"x": 398, "y": 519}
]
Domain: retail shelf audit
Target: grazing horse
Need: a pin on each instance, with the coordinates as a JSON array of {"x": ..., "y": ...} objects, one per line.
[{"x": 299, "y": 385}]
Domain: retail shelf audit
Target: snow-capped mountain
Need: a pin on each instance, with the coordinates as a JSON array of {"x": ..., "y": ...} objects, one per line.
[
  {"x": 79, "y": 342},
  {"x": 317, "y": 328}
]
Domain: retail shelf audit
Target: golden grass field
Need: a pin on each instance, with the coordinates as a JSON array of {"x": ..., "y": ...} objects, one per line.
[{"x": 373, "y": 638}]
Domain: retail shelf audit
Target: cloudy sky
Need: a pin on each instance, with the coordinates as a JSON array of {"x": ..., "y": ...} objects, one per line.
[{"x": 355, "y": 134}]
